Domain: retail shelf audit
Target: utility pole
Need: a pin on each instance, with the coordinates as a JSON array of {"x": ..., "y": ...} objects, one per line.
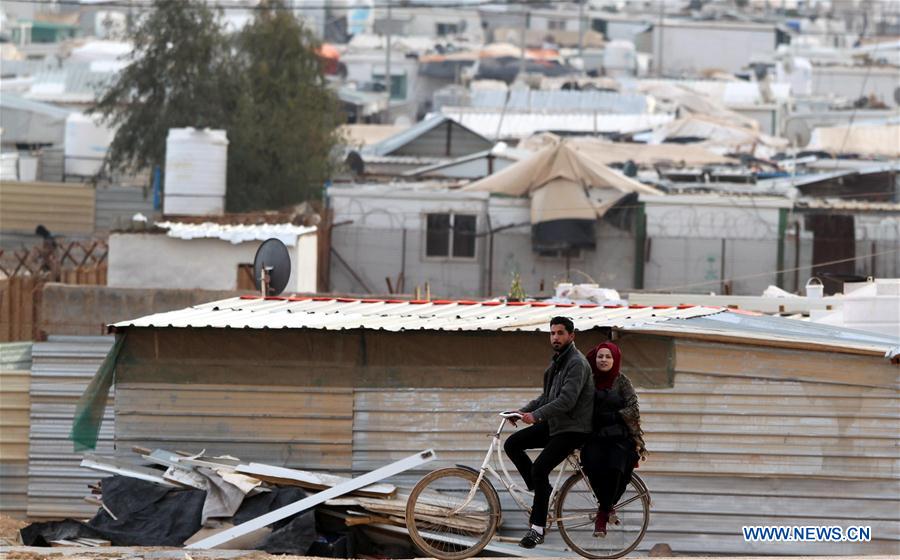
[
  {"x": 387, "y": 54},
  {"x": 581, "y": 30}
]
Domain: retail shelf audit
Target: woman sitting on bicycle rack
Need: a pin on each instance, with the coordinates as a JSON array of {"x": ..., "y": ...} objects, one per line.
[
  {"x": 561, "y": 418},
  {"x": 616, "y": 443}
]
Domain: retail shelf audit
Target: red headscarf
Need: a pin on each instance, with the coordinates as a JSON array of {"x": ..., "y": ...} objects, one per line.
[{"x": 605, "y": 379}]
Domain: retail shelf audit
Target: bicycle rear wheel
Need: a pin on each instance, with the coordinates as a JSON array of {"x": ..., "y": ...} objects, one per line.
[
  {"x": 446, "y": 519},
  {"x": 576, "y": 510}
]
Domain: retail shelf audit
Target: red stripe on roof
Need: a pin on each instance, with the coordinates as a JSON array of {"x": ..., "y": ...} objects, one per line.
[
  {"x": 663, "y": 306},
  {"x": 281, "y": 298},
  {"x": 419, "y": 301},
  {"x": 588, "y": 305},
  {"x": 539, "y": 304},
  {"x": 686, "y": 306},
  {"x": 516, "y": 303},
  {"x": 320, "y": 298},
  {"x": 251, "y": 297},
  {"x": 490, "y": 303},
  {"x": 565, "y": 305},
  {"x": 442, "y": 301},
  {"x": 347, "y": 300}
]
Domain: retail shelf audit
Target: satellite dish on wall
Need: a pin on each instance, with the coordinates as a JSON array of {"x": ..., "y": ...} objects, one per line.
[
  {"x": 798, "y": 133},
  {"x": 271, "y": 267}
]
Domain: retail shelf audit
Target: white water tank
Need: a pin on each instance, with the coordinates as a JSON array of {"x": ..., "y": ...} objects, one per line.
[
  {"x": 87, "y": 140},
  {"x": 196, "y": 163}
]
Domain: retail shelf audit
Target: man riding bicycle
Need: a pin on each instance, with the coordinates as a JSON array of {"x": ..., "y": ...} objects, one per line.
[{"x": 560, "y": 421}]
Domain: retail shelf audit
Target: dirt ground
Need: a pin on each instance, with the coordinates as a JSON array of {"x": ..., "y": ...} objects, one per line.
[{"x": 9, "y": 530}]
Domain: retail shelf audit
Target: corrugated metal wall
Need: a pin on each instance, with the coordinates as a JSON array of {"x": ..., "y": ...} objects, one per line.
[
  {"x": 61, "y": 369},
  {"x": 15, "y": 372},
  {"x": 726, "y": 451},
  {"x": 306, "y": 427},
  {"x": 116, "y": 206},
  {"x": 60, "y": 207}
]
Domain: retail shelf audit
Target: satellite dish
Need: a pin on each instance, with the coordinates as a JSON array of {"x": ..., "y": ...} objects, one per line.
[
  {"x": 798, "y": 133},
  {"x": 271, "y": 267}
]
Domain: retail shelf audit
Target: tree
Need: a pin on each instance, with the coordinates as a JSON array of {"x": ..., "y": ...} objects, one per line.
[
  {"x": 178, "y": 76},
  {"x": 286, "y": 118}
]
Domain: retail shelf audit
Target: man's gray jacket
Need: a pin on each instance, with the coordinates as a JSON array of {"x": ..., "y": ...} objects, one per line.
[{"x": 567, "y": 403}]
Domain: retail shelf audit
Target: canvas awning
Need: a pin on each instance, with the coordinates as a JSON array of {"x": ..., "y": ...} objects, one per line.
[
  {"x": 558, "y": 179},
  {"x": 880, "y": 140}
]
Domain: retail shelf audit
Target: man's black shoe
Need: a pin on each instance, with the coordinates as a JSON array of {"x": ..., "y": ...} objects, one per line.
[{"x": 531, "y": 539}]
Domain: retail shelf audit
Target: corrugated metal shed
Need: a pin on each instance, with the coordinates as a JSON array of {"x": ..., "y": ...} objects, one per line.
[
  {"x": 61, "y": 370},
  {"x": 15, "y": 372},
  {"x": 435, "y": 136},
  {"x": 255, "y": 312},
  {"x": 116, "y": 206},
  {"x": 60, "y": 207}
]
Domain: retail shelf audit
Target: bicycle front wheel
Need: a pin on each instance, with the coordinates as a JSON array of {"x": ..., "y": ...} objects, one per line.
[
  {"x": 576, "y": 510},
  {"x": 449, "y": 517}
]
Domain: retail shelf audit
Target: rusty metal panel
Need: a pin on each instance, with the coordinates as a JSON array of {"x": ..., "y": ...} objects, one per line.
[
  {"x": 61, "y": 370},
  {"x": 63, "y": 208},
  {"x": 15, "y": 373}
]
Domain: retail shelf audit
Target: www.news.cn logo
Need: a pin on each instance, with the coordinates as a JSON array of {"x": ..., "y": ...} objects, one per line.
[{"x": 812, "y": 533}]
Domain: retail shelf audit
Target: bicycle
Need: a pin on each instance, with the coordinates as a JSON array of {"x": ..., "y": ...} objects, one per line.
[{"x": 453, "y": 513}]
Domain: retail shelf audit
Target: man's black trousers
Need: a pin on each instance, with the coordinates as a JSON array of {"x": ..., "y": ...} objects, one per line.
[{"x": 537, "y": 474}]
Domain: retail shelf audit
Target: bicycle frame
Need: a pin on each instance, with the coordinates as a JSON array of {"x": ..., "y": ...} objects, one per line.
[{"x": 506, "y": 480}]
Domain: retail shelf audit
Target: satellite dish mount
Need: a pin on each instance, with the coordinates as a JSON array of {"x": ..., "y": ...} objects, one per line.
[{"x": 271, "y": 267}]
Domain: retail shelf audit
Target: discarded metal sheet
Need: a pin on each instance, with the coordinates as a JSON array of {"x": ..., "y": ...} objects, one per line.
[{"x": 354, "y": 484}]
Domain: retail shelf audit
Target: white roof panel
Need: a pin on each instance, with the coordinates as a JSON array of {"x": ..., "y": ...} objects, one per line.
[{"x": 255, "y": 312}]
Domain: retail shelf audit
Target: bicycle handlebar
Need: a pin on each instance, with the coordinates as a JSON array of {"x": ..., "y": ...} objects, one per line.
[{"x": 510, "y": 414}]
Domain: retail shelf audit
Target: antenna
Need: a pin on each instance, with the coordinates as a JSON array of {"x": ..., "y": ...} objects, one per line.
[{"x": 271, "y": 267}]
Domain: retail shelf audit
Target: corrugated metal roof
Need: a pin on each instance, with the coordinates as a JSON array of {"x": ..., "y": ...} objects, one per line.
[
  {"x": 522, "y": 124},
  {"x": 235, "y": 234},
  {"x": 760, "y": 327},
  {"x": 61, "y": 370},
  {"x": 393, "y": 143},
  {"x": 561, "y": 101},
  {"x": 842, "y": 204},
  {"x": 254, "y": 312}
]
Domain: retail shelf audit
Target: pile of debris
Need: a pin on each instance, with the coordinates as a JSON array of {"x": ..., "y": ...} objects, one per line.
[{"x": 178, "y": 499}]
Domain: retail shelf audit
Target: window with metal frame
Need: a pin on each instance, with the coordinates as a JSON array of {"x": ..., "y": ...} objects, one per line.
[{"x": 450, "y": 235}]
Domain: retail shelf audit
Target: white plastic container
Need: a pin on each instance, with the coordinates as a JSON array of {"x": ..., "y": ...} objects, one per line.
[{"x": 196, "y": 162}]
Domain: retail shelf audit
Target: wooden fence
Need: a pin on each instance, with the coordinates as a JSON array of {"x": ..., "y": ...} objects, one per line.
[{"x": 24, "y": 273}]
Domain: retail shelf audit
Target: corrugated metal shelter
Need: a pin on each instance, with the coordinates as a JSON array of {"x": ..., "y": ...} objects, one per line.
[
  {"x": 436, "y": 136},
  {"x": 63, "y": 208},
  {"x": 15, "y": 372},
  {"x": 749, "y": 420},
  {"x": 61, "y": 369}
]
